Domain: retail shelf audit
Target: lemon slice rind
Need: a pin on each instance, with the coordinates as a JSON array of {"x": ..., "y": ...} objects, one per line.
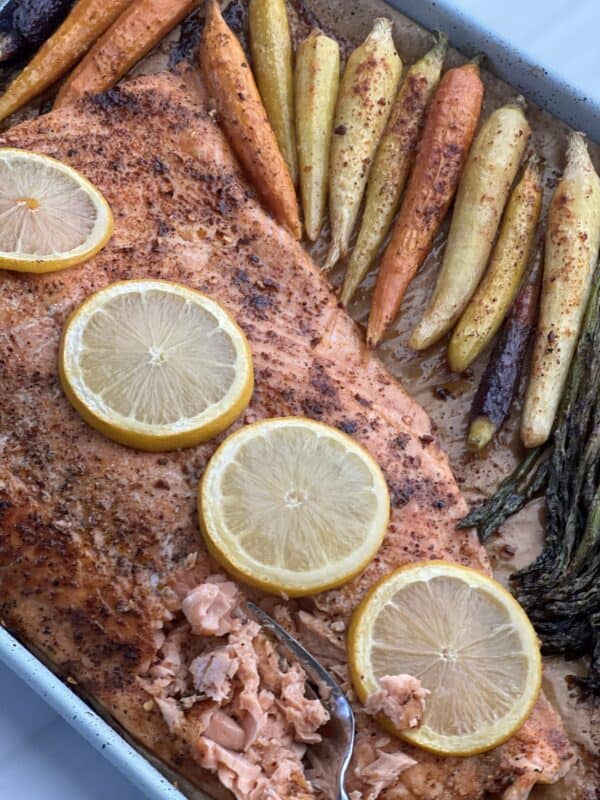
[
  {"x": 133, "y": 432},
  {"x": 278, "y": 580},
  {"x": 97, "y": 238},
  {"x": 365, "y": 680}
]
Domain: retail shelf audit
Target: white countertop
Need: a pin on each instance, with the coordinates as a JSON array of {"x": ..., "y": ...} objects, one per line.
[{"x": 41, "y": 757}]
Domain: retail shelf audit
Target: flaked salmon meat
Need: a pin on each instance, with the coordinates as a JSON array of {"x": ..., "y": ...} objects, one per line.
[
  {"x": 102, "y": 568},
  {"x": 400, "y": 698}
]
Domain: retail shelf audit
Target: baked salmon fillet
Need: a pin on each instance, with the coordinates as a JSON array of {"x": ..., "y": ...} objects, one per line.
[{"x": 102, "y": 568}]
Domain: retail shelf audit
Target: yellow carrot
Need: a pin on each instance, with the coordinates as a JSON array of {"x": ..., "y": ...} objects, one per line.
[
  {"x": 366, "y": 94},
  {"x": 489, "y": 172},
  {"x": 490, "y": 304},
  {"x": 571, "y": 254},
  {"x": 392, "y": 163},
  {"x": 271, "y": 48},
  {"x": 317, "y": 78}
]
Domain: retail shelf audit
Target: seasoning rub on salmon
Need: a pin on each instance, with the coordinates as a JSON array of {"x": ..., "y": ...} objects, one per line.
[{"x": 102, "y": 568}]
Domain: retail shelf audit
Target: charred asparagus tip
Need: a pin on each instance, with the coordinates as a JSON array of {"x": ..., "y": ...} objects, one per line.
[
  {"x": 481, "y": 433},
  {"x": 477, "y": 59}
]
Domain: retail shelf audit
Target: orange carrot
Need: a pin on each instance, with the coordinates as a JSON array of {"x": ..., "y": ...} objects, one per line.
[
  {"x": 139, "y": 28},
  {"x": 87, "y": 21},
  {"x": 229, "y": 81},
  {"x": 447, "y": 136}
]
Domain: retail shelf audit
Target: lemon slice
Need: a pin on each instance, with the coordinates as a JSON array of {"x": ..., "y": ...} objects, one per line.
[
  {"x": 155, "y": 365},
  {"x": 293, "y": 506},
  {"x": 51, "y": 217},
  {"x": 467, "y": 640}
]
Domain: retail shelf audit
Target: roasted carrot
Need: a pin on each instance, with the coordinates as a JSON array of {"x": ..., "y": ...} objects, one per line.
[
  {"x": 87, "y": 21},
  {"x": 572, "y": 245},
  {"x": 393, "y": 161},
  {"x": 367, "y": 89},
  {"x": 499, "y": 383},
  {"x": 271, "y": 48},
  {"x": 482, "y": 194},
  {"x": 317, "y": 80},
  {"x": 494, "y": 296},
  {"x": 229, "y": 80},
  {"x": 138, "y": 29},
  {"x": 447, "y": 136}
]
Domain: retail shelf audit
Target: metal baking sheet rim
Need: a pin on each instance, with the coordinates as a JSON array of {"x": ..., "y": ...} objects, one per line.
[{"x": 542, "y": 86}]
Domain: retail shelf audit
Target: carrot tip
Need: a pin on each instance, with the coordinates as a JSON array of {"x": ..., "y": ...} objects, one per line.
[
  {"x": 535, "y": 161},
  {"x": 478, "y": 59},
  {"x": 441, "y": 41},
  {"x": 348, "y": 289},
  {"x": 415, "y": 342},
  {"x": 295, "y": 228},
  {"x": 520, "y": 102},
  {"x": 373, "y": 336},
  {"x": 333, "y": 256},
  {"x": 481, "y": 433}
]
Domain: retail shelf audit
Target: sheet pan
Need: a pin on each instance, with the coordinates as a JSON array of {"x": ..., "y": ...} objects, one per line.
[{"x": 543, "y": 87}]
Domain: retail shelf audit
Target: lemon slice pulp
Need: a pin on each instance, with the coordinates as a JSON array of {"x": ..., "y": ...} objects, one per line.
[
  {"x": 51, "y": 217},
  {"x": 155, "y": 365},
  {"x": 293, "y": 506},
  {"x": 467, "y": 640}
]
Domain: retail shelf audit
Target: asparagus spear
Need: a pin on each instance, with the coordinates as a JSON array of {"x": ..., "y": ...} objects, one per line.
[{"x": 510, "y": 497}]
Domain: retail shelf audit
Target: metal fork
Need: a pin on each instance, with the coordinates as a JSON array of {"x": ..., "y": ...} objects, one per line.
[{"x": 332, "y": 754}]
